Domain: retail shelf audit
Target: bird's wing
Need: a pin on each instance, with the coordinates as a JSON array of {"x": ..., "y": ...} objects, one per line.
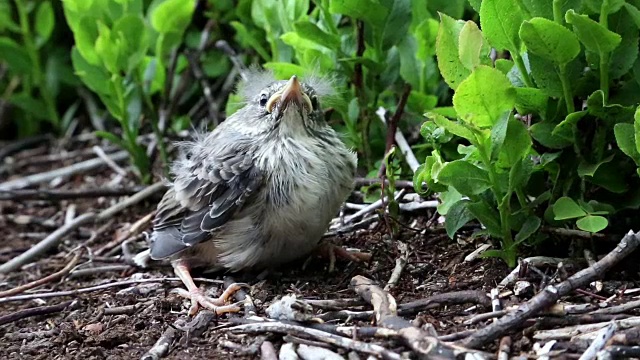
[{"x": 207, "y": 192}]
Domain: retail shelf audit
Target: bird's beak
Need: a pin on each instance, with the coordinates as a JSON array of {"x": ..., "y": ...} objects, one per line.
[{"x": 291, "y": 94}]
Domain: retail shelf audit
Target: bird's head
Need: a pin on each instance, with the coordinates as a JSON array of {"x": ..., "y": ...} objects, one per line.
[{"x": 285, "y": 105}]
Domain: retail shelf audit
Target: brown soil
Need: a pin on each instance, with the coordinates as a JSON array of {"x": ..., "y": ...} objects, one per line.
[{"x": 435, "y": 266}]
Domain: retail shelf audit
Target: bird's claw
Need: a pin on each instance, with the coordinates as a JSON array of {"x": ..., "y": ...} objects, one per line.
[
  {"x": 332, "y": 251},
  {"x": 217, "y": 305}
]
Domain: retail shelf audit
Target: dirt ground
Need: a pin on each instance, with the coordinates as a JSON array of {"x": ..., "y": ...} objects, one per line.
[{"x": 435, "y": 265}]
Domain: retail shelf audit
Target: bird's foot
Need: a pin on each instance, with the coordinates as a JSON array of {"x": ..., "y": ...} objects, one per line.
[
  {"x": 332, "y": 251},
  {"x": 217, "y": 305}
]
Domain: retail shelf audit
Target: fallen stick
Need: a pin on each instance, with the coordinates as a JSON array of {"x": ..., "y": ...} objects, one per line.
[
  {"x": 162, "y": 346},
  {"x": 49, "y": 278},
  {"x": 54, "y": 239},
  {"x": 55, "y": 195},
  {"x": 421, "y": 342},
  {"x": 95, "y": 288},
  {"x": 599, "y": 343},
  {"x": 34, "y": 179},
  {"x": 46, "y": 244},
  {"x": 332, "y": 339},
  {"x": 552, "y": 293},
  {"x": 38, "y": 311}
]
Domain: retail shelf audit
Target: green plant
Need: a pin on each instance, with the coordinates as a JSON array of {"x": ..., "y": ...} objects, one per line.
[
  {"x": 36, "y": 69},
  {"x": 370, "y": 48},
  {"x": 524, "y": 153},
  {"x": 121, "y": 54}
]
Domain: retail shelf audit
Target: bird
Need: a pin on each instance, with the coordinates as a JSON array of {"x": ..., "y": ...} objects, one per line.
[{"x": 258, "y": 191}]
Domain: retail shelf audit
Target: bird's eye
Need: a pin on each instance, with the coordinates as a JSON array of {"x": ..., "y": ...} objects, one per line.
[
  {"x": 263, "y": 100},
  {"x": 314, "y": 102}
]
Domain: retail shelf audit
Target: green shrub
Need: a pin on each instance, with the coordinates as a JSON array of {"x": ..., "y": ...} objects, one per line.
[
  {"x": 37, "y": 70},
  {"x": 546, "y": 132}
]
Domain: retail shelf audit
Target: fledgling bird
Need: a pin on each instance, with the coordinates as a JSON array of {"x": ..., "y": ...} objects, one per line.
[{"x": 257, "y": 191}]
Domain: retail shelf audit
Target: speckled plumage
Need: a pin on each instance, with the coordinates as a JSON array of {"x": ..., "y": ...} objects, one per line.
[{"x": 260, "y": 189}]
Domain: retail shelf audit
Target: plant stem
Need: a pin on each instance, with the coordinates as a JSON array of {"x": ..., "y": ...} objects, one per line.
[
  {"x": 30, "y": 47},
  {"x": 523, "y": 69},
  {"x": 557, "y": 12},
  {"x": 604, "y": 57},
  {"x": 503, "y": 203},
  {"x": 604, "y": 75},
  {"x": 156, "y": 130},
  {"x": 566, "y": 89}
]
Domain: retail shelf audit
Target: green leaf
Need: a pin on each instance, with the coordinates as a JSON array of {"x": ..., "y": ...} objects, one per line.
[
  {"x": 133, "y": 37},
  {"x": 484, "y": 96},
  {"x": 249, "y": 40},
  {"x": 85, "y": 36},
  {"x": 567, "y": 127},
  {"x": 45, "y": 21},
  {"x": 367, "y": 10},
  {"x": 542, "y": 132},
  {"x": 634, "y": 13},
  {"x": 33, "y": 107},
  {"x": 500, "y": 21},
  {"x": 466, "y": 178},
  {"x": 593, "y": 35},
  {"x": 504, "y": 65},
  {"x": 636, "y": 126},
  {"x": 516, "y": 144},
  {"x": 488, "y": 216},
  {"x": 550, "y": 40},
  {"x": 447, "y": 200},
  {"x": 520, "y": 173},
  {"x": 409, "y": 68},
  {"x": 625, "y": 55},
  {"x": 299, "y": 43},
  {"x": 452, "y": 127},
  {"x": 592, "y": 223},
  {"x": 588, "y": 169},
  {"x": 112, "y": 137},
  {"x": 172, "y": 16},
  {"x": 610, "y": 113},
  {"x": 457, "y": 217},
  {"x": 95, "y": 77},
  {"x": 531, "y": 101},
  {"x": 447, "y": 44},
  {"x": 498, "y": 134},
  {"x": 453, "y": 8},
  {"x": 285, "y": 70},
  {"x": 530, "y": 226},
  {"x": 565, "y": 208},
  {"x": 311, "y": 31},
  {"x": 15, "y": 56},
  {"x": 396, "y": 24},
  {"x": 626, "y": 140},
  {"x": 546, "y": 75},
  {"x": 108, "y": 49},
  {"x": 470, "y": 45}
]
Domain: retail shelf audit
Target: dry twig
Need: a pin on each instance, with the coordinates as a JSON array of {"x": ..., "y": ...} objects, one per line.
[{"x": 552, "y": 293}]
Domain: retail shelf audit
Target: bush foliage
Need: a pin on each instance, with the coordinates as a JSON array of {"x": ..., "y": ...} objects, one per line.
[{"x": 526, "y": 109}]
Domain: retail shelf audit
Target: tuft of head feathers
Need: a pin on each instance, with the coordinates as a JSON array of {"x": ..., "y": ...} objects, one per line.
[{"x": 255, "y": 80}]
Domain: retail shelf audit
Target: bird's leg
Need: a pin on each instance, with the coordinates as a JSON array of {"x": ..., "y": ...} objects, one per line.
[
  {"x": 197, "y": 296},
  {"x": 332, "y": 251}
]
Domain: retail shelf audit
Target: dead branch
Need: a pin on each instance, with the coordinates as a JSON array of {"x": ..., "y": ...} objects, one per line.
[
  {"x": 38, "y": 311},
  {"x": 89, "y": 289},
  {"x": 56, "y": 195},
  {"x": 35, "y": 179},
  {"x": 46, "y": 244},
  {"x": 47, "y": 279},
  {"x": 57, "y": 236},
  {"x": 332, "y": 339},
  {"x": 552, "y": 293},
  {"x": 384, "y": 308},
  {"x": 599, "y": 342},
  {"x": 162, "y": 346},
  {"x": 268, "y": 351},
  {"x": 402, "y": 143}
]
